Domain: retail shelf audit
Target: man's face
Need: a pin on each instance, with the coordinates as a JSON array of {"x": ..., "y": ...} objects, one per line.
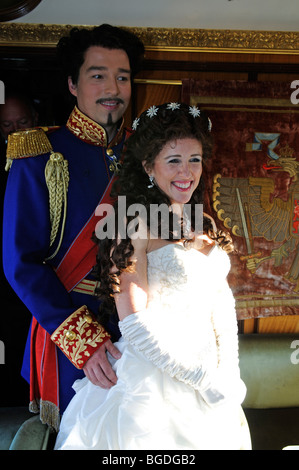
[
  {"x": 103, "y": 90},
  {"x": 14, "y": 115}
]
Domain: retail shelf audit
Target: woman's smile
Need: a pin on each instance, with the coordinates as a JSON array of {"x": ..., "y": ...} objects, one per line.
[{"x": 182, "y": 186}]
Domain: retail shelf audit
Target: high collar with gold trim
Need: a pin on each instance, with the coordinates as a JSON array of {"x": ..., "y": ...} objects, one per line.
[{"x": 90, "y": 131}]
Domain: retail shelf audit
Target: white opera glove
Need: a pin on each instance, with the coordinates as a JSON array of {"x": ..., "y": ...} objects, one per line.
[{"x": 137, "y": 333}]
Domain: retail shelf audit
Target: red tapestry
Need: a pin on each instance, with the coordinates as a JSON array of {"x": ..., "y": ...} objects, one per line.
[{"x": 253, "y": 188}]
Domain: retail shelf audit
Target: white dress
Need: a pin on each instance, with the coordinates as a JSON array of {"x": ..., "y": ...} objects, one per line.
[{"x": 179, "y": 385}]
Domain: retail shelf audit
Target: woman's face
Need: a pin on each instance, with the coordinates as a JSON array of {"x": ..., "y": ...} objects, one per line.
[{"x": 177, "y": 169}]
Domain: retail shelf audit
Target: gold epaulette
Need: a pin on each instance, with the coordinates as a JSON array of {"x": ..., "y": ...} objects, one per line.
[{"x": 28, "y": 143}]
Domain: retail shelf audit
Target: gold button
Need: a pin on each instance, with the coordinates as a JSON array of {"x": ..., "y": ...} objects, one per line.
[
  {"x": 88, "y": 318},
  {"x": 110, "y": 152},
  {"x": 70, "y": 335}
]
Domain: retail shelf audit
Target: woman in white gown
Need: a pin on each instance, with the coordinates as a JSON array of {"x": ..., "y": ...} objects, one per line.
[{"x": 179, "y": 383}]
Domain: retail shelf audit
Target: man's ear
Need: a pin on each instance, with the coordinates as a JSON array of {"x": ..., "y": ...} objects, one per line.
[{"x": 72, "y": 87}]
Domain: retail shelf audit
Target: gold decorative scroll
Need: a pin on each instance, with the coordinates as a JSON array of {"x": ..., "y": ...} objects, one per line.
[{"x": 164, "y": 39}]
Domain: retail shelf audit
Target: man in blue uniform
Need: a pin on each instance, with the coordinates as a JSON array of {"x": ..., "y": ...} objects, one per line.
[{"x": 55, "y": 183}]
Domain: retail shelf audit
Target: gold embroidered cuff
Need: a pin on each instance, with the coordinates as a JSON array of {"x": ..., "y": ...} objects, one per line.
[{"x": 79, "y": 336}]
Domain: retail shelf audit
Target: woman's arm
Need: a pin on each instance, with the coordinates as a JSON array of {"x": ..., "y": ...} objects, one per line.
[{"x": 133, "y": 284}]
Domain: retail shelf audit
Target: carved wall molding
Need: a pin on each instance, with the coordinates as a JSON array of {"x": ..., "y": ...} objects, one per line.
[{"x": 164, "y": 39}]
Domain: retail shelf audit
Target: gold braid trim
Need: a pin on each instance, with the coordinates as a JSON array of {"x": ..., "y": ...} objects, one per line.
[
  {"x": 48, "y": 411},
  {"x": 57, "y": 179}
]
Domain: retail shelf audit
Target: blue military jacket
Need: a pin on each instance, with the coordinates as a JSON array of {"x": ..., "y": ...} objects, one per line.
[{"x": 26, "y": 228}]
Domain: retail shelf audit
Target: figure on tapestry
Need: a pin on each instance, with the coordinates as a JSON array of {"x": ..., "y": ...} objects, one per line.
[{"x": 264, "y": 207}]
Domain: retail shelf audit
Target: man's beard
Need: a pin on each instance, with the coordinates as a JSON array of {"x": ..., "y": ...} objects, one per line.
[{"x": 110, "y": 120}]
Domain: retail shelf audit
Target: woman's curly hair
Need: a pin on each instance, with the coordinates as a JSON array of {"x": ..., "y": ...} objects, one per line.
[{"x": 156, "y": 127}]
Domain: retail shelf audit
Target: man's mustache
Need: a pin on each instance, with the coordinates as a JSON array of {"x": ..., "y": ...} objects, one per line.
[{"x": 104, "y": 100}]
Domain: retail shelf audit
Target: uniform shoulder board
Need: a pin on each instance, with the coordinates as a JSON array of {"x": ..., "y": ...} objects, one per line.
[{"x": 27, "y": 143}]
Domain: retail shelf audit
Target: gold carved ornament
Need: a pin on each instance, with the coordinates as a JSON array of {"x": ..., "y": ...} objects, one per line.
[{"x": 164, "y": 39}]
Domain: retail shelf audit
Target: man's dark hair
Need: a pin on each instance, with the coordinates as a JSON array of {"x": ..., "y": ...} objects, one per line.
[{"x": 71, "y": 49}]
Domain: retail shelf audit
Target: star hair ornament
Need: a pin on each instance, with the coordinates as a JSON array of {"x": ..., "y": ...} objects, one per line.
[
  {"x": 135, "y": 124},
  {"x": 194, "y": 111},
  {"x": 152, "y": 111},
  {"x": 173, "y": 106}
]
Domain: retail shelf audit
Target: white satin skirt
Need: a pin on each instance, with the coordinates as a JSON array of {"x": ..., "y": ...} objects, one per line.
[{"x": 148, "y": 410}]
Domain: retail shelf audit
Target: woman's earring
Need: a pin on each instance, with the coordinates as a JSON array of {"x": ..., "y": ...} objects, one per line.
[{"x": 151, "y": 178}]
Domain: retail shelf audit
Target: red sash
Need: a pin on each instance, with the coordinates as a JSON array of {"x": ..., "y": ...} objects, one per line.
[{"x": 80, "y": 257}]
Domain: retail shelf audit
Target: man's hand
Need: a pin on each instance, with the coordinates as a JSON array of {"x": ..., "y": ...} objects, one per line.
[{"x": 98, "y": 369}]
